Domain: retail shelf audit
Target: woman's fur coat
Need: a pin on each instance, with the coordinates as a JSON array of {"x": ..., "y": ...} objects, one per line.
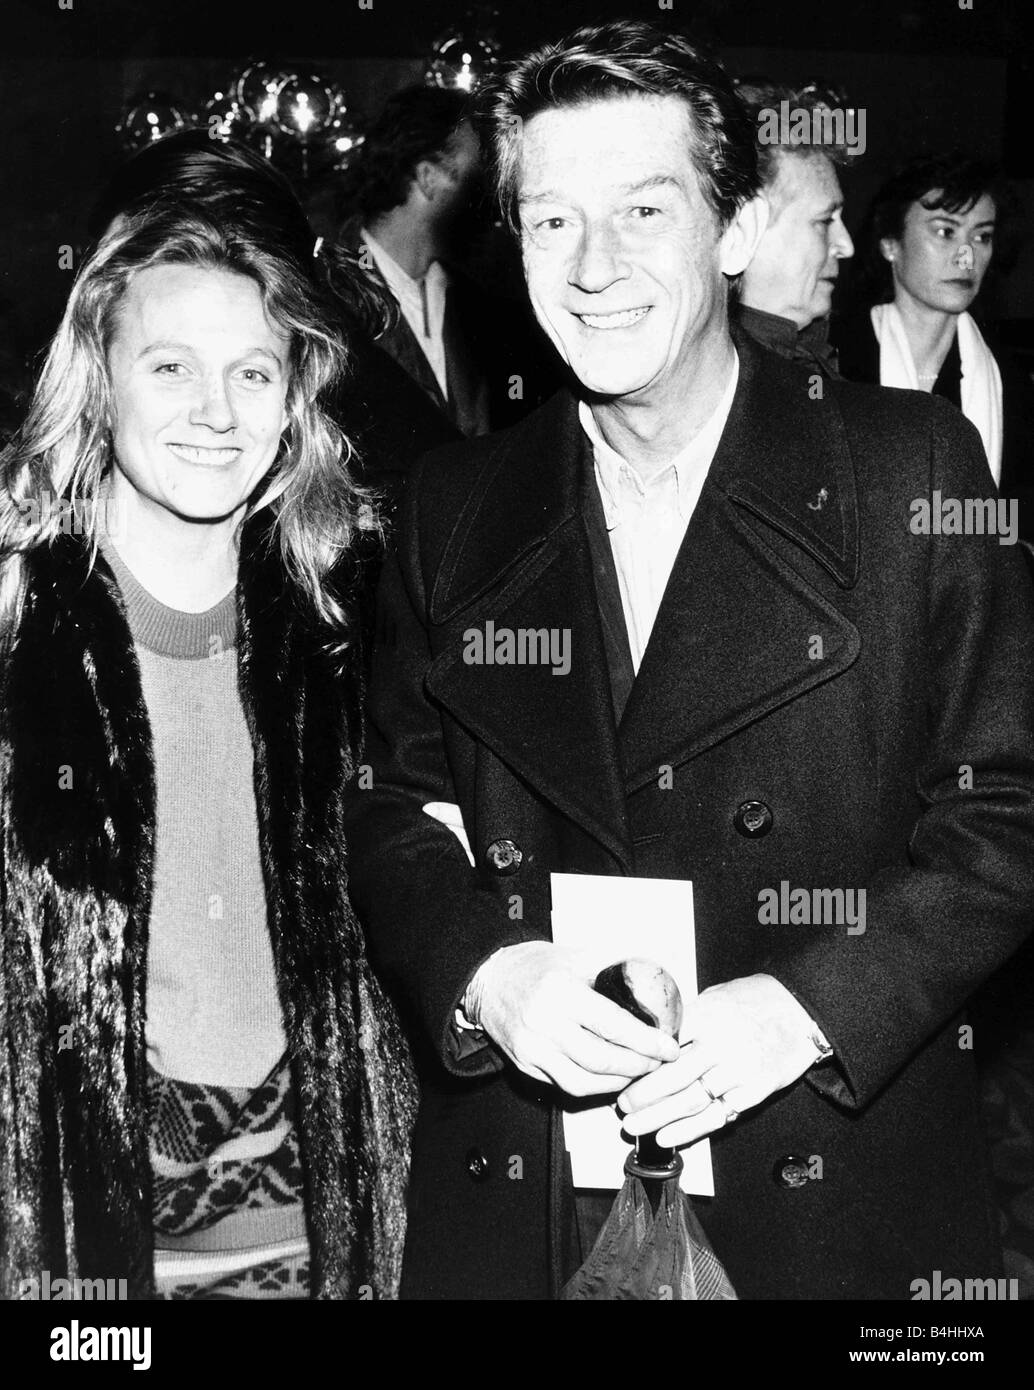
[{"x": 77, "y": 837}]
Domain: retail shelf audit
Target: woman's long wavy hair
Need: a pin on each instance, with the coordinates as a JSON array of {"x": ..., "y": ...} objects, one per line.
[{"x": 55, "y": 464}]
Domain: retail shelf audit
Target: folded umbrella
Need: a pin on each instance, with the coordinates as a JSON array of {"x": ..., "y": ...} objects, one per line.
[{"x": 652, "y": 1246}]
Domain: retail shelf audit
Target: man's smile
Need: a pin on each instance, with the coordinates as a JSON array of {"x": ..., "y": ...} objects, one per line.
[{"x": 620, "y": 318}]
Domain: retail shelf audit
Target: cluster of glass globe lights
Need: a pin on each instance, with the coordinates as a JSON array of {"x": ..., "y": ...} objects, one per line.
[{"x": 269, "y": 106}]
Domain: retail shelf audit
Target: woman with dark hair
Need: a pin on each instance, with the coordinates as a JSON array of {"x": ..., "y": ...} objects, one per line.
[
  {"x": 203, "y": 1090},
  {"x": 928, "y": 245}
]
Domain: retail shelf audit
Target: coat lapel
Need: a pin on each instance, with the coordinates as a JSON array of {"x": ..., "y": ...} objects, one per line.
[
  {"x": 740, "y": 631},
  {"x": 399, "y": 341},
  {"x": 744, "y": 625},
  {"x": 519, "y": 560}
]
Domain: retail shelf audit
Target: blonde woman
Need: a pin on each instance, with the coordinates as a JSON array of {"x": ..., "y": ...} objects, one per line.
[{"x": 202, "y": 1089}]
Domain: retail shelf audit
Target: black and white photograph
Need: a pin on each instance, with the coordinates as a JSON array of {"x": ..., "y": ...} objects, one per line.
[{"x": 516, "y": 676}]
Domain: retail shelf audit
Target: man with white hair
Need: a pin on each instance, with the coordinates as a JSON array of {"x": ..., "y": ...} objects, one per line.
[{"x": 786, "y": 292}]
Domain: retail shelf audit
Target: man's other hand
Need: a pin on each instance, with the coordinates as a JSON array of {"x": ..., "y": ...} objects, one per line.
[
  {"x": 537, "y": 1004},
  {"x": 748, "y": 1038}
]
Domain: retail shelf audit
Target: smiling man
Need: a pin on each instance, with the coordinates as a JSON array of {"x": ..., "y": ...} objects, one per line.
[
  {"x": 786, "y": 292},
  {"x": 625, "y": 271},
  {"x": 771, "y": 679}
]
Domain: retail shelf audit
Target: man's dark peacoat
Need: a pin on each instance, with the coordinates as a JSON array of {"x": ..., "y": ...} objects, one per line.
[{"x": 841, "y": 703}]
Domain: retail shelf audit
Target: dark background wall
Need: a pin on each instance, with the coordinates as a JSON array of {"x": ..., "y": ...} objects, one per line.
[{"x": 928, "y": 73}]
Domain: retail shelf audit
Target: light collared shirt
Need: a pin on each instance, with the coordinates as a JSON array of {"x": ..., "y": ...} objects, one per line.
[
  {"x": 647, "y": 521},
  {"x": 422, "y": 303}
]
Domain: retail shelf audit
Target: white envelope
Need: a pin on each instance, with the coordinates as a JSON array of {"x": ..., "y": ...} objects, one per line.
[{"x": 610, "y": 919}]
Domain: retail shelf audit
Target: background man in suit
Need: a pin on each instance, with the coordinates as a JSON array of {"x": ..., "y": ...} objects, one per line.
[
  {"x": 786, "y": 292},
  {"x": 774, "y": 681},
  {"x": 417, "y": 189},
  {"x": 417, "y": 179}
]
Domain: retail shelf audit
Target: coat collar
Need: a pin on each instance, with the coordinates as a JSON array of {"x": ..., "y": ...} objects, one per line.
[
  {"x": 731, "y": 640},
  {"x": 786, "y": 458},
  {"x": 783, "y": 456}
]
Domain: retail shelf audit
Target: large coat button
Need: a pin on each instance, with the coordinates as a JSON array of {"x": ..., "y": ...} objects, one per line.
[
  {"x": 791, "y": 1171},
  {"x": 477, "y": 1165},
  {"x": 504, "y": 857},
  {"x": 753, "y": 819}
]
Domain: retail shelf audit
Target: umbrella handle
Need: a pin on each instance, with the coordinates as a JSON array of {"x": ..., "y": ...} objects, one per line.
[
  {"x": 652, "y": 1160},
  {"x": 617, "y": 983}
]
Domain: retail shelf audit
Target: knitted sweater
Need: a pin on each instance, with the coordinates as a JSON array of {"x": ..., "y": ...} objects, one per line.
[{"x": 228, "y": 1207}]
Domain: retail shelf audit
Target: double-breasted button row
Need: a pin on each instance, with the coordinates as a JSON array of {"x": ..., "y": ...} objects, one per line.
[
  {"x": 791, "y": 1171},
  {"x": 477, "y": 1165},
  {"x": 753, "y": 819},
  {"x": 504, "y": 857}
]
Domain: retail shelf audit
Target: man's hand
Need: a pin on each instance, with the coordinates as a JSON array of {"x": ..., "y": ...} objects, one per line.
[
  {"x": 537, "y": 1004},
  {"x": 749, "y": 1038}
]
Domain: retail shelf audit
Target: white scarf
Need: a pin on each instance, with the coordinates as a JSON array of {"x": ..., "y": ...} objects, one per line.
[{"x": 981, "y": 392}]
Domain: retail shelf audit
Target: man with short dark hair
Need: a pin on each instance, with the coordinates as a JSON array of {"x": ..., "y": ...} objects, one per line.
[
  {"x": 785, "y": 294},
  {"x": 776, "y": 688},
  {"x": 416, "y": 179}
]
